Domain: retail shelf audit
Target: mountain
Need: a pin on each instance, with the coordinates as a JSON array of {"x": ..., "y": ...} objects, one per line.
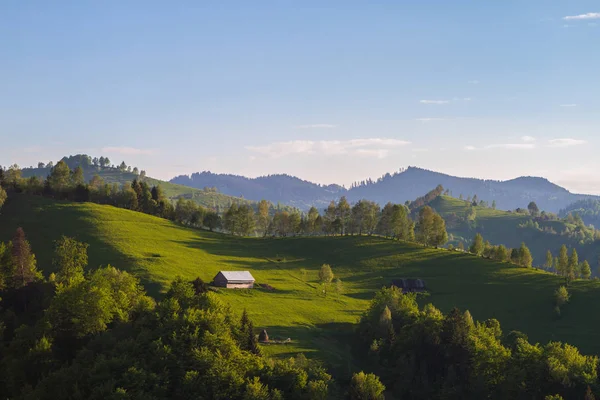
[
  {"x": 281, "y": 188},
  {"x": 398, "y": 188}
]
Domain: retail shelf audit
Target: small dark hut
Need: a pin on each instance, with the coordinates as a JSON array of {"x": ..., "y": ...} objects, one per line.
[
  {"x": 263, "y": 337},
  {"x": 410, "y": 285}
]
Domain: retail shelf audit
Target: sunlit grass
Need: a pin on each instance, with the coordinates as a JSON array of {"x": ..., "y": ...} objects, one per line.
[{"x": 157, "y": 250}]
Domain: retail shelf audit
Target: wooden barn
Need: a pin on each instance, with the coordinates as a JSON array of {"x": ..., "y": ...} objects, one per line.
[
  {"x": 234, "y": 280},
  {"x": 410, "y": 285}
]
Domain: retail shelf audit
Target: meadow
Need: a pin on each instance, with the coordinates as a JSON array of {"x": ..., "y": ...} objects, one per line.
[
  {"x": 502, "y": 227},
  {"x": 321, "y": 326}
]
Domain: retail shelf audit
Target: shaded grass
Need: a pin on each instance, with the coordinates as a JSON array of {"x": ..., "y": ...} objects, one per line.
[{"x": 157, "y": 250}]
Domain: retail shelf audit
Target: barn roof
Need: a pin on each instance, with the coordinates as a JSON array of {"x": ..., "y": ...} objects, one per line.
[{"x": 237, "y": 276}]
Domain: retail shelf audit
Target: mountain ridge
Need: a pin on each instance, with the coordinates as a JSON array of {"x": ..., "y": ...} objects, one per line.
[{"x": 399, "y": 187}]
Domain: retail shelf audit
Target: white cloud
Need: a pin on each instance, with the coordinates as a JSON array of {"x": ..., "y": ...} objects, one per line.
[
  {"x": 127, "y": 151},
  {"x": 317, "y": 126},
  {"x": 474, "y": 82},
  {"x": 369, "y": 147},
  {"x": 568, "y": 105},
  {"x": 470, "y": 148},
  {"x": 593, "y": 15},
  {"x": 422, "y": 150},
  {"x": 466, "y": 99},
  {"x": 566, "y": 142},
  {"x": 521, "y": 146},
  {"x": 377, "y": 153},
  {"x": 434, "y": 102},
  {"x": 528, "y": 139}
]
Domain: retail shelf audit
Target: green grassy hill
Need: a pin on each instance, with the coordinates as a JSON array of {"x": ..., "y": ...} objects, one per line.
[
  {"x": 503, "y": 227},
  {"x": 157, "y": 250},
  {"x": 206, "y": 198}
]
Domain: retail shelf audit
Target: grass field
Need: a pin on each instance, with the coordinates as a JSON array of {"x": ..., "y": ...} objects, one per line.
[
  {"x": 502, "y": 227},
  {"x": 157, "y": 250}
]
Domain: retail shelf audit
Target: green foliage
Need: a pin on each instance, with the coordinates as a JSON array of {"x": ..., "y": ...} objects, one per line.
[
  {"x": 478, "y": 246},
  {"x": 70, "y": 260},
  {"x": 431, "y": 228},
  {"x": 561, "y": 296},
  {"x": 3, "y": 196},
  {"x": 325, "y": 273},
  {"x": 461, "y": 358},
  {"x": 366, "y": 387},
  {"x": 525, "y": 258}
]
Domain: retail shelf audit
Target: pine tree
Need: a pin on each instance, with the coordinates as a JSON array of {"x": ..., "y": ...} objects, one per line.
[
  {"x": 563, "y": 261},
  {"x": 23, "y": 261},
  {"x": 253, "y": 345},
  {"x": 572, "y": 266}
]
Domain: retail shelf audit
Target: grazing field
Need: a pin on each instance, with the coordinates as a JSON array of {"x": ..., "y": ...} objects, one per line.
[{"x": 157, "y": 250}]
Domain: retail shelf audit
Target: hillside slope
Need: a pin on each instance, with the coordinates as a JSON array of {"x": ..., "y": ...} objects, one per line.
[
  {"x": 157, "y": 250},
  {"x": 397, "y": 188},
  {"x": 207, "y": 198},
  {"x": 511, "y": 229}
]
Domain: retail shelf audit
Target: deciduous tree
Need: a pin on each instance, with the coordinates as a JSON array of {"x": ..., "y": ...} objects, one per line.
[
  {"x": 326, "y": 274},
  {"x": 477, "y": 246},
  {"x": 70, "y": 260}
]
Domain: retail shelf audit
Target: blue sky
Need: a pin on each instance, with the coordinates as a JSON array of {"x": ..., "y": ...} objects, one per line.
[{"x": 330, "y": 91}]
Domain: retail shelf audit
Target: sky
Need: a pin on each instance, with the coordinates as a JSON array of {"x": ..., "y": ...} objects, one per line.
[{"x": 329, "y": 91}]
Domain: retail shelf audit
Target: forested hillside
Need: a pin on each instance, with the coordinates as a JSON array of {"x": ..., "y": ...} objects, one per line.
[
  {"x": 399, "y": 187},
  {"x": 542, "y": 232},
  {"x": 123, "y": 174}
]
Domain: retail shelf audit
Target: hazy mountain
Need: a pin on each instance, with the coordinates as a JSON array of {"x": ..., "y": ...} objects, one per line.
[{"x": 398, "y": 187}]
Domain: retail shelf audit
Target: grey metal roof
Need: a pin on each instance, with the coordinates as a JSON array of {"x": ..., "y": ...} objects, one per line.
[{"x": 237, "y": 275}]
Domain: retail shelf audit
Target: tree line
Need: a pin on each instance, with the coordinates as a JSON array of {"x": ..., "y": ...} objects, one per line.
[
  {"x": 97, "y": 335},
  {"x": 363, "y": 218},
  {"x": 422, "y": 353}
]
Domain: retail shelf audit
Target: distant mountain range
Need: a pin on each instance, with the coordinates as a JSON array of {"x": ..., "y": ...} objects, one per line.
[{"x": 397, "y": 188}]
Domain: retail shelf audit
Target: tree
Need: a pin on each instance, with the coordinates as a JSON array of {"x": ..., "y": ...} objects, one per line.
[
  {"x": 573, "y": 266},
  {"x": 501, "y": 254},
  {"x": 478, "y": 246},
  {"x": 366, "y": 387},
  {"x": 533, "y": 209},
  {"x": 311, "y": 220},
  {"x": 230, "y": 219},
  {"x": 562, "y": 265},
  {"x": 23, "y": 261},
  {"x": 3, "y": 196},
  {"x": 343, "y": 213},
  {"x": 586, "y": 271},
  {"x": 440, "y": 235},
  {"x": 245, "y": 219},
  {"x": 122, "y": 166},
  {"x": 549, "y": 260},
  {"x": 561, "y": 296},
  {"x": 70, "y": 260},
  {"x": 41, "y": 165},
  {"x": 425, "y": 226},
  {"x": 326, "y": 274},
  {"x": 136, "y": 171},
  {"x": 77, "y": 177},
  {"x": 60, "y": 177},
  {"x": 525, "y": 258},
  {"x": 263, "y": 219},
  {"x": 330, "y": 218},
  {"x": 494, "y": 205}
]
